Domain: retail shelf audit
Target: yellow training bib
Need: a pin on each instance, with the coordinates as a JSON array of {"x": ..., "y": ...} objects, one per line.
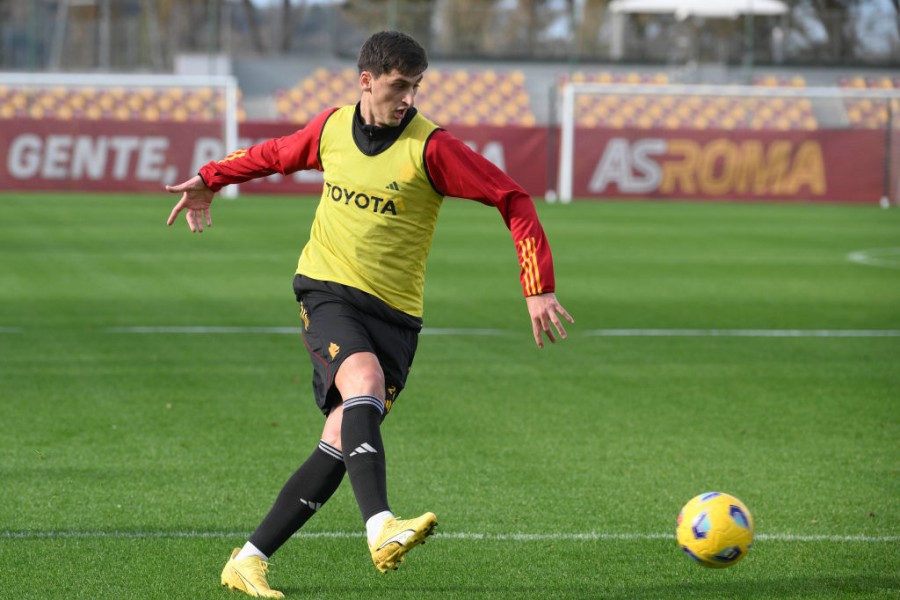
[{"x": 376, "y": 217}]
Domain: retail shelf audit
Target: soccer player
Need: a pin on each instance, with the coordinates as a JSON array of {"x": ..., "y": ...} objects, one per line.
[{"x": 360, "y": 280}]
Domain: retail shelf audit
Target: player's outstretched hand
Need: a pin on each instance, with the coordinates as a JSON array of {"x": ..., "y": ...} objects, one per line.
[
  {"x": 195, "y": 200},
  {"x": 545, "y": 310}
]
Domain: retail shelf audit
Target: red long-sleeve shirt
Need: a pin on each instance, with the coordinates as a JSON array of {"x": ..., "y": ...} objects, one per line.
[{"x": 454, "y": 169}]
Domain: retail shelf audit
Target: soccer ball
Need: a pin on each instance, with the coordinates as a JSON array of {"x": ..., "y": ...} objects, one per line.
[{"x": 715, "y": 529}]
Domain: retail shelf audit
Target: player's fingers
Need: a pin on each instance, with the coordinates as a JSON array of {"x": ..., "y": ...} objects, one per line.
[
  {"x": 536, "y": 331},
  {"x": 174, "y": 214},
  {"x": 189, "y": 217},
  {"x": 559, "y": 326},
  {"x": 208, "y": 214},
  {"x": 545, "y": 325}
]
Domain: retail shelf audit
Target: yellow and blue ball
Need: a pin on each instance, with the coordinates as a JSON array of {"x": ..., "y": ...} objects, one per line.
[{"x": 715, "y": 529}]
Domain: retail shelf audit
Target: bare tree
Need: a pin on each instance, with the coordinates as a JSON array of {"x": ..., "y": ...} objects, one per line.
[
  {"x": 410, "y": 16},
  {"x": 587, "y": 29},
  {"x": 253, "y": 23},
  {"x": 522, "y": 28},
  {"x": 837, "y": 19},
  {"x": 464, "y": 25},
  {"x": 286, "y": 26}
]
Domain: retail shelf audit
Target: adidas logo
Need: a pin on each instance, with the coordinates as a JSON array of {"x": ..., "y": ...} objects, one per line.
[
  {"x": 393, "y": 186},
  {"x": 364, "y": 449},
  {"x": 312, "y": 505}
]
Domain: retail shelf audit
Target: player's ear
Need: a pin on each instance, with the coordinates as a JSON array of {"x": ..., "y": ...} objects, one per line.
[{"x": 365, "y": 81}]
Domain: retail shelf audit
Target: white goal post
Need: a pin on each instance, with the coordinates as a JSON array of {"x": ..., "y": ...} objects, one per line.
[
  {"x": 828, "y": 103},
  {"x": 224, "y": 110}
]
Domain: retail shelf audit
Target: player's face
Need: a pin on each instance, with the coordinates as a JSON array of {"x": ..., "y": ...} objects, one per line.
[{"x": 387, "y": 98}]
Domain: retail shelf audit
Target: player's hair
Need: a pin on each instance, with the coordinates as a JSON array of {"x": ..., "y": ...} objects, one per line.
[{"x": 389, "y": 50}]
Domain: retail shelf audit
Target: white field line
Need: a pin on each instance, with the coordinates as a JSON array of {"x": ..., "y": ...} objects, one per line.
[
  {"x": 276, "y": 330},
  {"x": 765, "y": 333},
  {"x": 775, "y": 333},
  {"x": 501, "y": 537},
  {"x": 877, "y": 257},
  {"x": 203, "y": 330},
  {"x": 757, "y": 333}
]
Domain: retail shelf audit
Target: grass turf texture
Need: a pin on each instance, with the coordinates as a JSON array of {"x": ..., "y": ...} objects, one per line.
[{"x": 133, "y": 463}]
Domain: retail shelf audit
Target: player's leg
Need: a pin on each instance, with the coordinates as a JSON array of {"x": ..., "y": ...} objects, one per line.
[
  {"x": 362, "y": 357},
  {"x": 301, "y": 497},
  {"x": 305, "y": 491},
  {"x": 361, "y": 382}
]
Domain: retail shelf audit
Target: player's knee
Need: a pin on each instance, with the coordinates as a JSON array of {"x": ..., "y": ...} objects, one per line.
[
  {"x": 360, "y": 375},
  {"x": 371, "y": 381}
]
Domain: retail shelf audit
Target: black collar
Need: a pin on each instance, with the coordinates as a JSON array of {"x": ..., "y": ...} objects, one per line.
[{"x": 371, "y": 139}]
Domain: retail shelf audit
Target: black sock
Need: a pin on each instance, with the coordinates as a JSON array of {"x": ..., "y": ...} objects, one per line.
[
  {"x": 303, "y": 494},
  {"x": 364, "y": 453}
]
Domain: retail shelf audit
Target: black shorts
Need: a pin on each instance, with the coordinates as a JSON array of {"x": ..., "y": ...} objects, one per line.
[{"x": 338, "y": 321}]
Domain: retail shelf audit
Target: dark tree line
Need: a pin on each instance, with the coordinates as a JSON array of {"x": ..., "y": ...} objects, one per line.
[{"x": 130, "y": 34}]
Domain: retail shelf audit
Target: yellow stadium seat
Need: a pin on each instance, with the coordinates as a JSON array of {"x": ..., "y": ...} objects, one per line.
[
  {"x": 498, "y": 119},
  {"x": 672, "y": 122},
  {"x": 47, "y": 102}
]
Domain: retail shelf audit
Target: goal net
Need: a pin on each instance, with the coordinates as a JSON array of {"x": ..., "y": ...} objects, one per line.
[
  {"x": 112, "y": 131},
  {"x": 729, "y": 142}
]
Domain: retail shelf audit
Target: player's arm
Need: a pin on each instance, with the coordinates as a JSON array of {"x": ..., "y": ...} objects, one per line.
[
  {"x": 458, "y": 171},
  {"x": 296, "y": 152}
]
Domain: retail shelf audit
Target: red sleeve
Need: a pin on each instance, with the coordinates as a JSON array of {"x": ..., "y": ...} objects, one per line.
[
  {"x": 296, "y": 152},
  {"x": 456, "y": 170}
]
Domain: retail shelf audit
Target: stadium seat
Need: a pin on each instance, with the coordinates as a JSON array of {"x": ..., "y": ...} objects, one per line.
[
  {"x": 118, "y": 103},
  {"x": 870, "y": 113},
  {"x": 448, "y": 97},
  {"x": 691, "y": 112}
]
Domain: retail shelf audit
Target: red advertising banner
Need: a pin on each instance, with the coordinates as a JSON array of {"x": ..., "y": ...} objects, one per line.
[
  {"x": 83, "y": 155},
  {"x": 828, "y": 165},
  {"x": 139, "y": 156},
  {"x": 835, "y": 165}
]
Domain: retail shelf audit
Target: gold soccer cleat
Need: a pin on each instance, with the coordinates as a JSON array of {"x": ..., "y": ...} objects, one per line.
[
  {"x": 399, "y": 537},
  {"x": 248, "y": 575}
]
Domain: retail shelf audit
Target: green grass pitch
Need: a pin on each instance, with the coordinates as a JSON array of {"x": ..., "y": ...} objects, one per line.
[{"x": 717, "y": 346}]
